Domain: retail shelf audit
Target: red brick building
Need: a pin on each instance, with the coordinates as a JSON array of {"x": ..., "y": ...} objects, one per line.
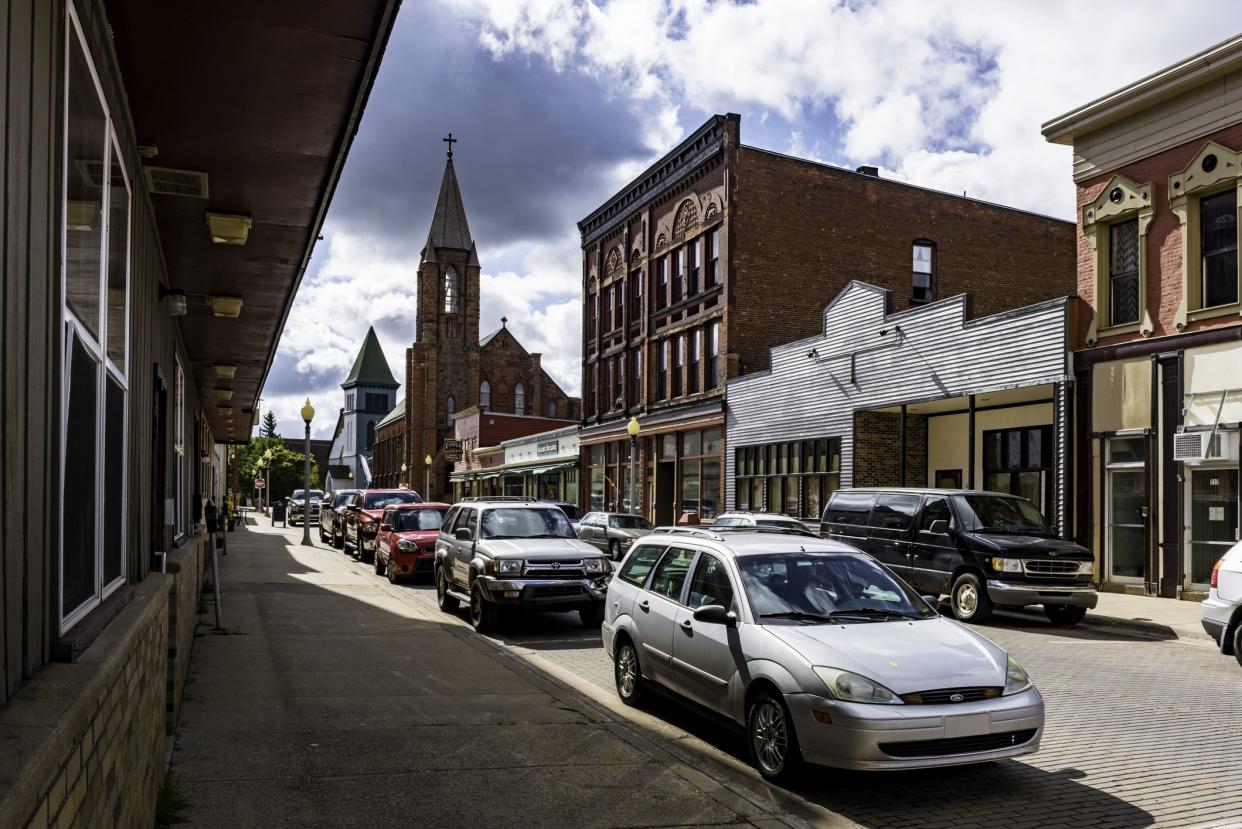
[
  {"x": 719, "y": 251},
  {"x": 1158, "y": 169},
  {"x": 449, "y": 368}
]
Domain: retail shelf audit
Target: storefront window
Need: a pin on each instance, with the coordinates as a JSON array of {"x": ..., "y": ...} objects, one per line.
[
  {"x": 595, "y": 459},
  {"x": 794, "y": 478},
  {"x": 1213, "y": 518},
  {"x": 1126, "y": 509},
  {"x": 1019, "y": 462}
]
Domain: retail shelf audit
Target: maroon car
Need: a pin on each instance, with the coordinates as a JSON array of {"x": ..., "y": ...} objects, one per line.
[
  {"x": 362, "y": 517},
  {"x": 406, "y": 542}
]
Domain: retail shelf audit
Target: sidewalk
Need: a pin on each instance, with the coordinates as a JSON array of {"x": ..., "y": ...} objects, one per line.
[
  {"x": 332, "y": 699},
  {"x": 1168, "y": 618}
]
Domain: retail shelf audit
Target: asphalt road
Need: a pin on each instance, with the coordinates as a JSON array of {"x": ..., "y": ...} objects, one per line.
[{"x": 1140, "y": 732}]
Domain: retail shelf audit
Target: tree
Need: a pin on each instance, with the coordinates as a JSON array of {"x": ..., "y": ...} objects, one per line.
[
  {"x": 268, "y": 429},
  {"x": 283, "y": 473}
]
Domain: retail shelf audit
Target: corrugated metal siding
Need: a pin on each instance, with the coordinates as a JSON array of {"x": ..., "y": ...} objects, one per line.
[{"x": 940, "y": 354}]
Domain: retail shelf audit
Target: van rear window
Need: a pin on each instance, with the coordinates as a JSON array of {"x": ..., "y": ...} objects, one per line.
[{"x": 848, "y": 508}]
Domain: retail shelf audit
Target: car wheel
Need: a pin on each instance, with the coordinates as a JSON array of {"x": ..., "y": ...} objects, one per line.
[
  {"x": 773, "y": 742},
  {"x": 379, "y": 564},
  {"x": 592, "y": 616},
  {"x": 447, "y": 603},
  {"x": 393, "y": 578},
  {"x": 614, "y": 550},
  {"x": 1237, "y": 643},
  {"x": 970, "y": 600},
  {"x": 323, "y": 537},
  {"x": 629, "y": 676},
  {"x": 364, "y": 555},
  {"x": 482, "y": 612},
  {"x": 1063, "y": 614}
]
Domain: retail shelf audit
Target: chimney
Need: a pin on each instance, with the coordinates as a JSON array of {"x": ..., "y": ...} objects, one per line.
[{"x": 868, "y": 170}]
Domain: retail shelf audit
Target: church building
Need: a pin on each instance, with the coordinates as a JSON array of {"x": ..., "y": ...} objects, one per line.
[
  {"x": 370, "y": 390},
  {"x": 449, "y": 369}
]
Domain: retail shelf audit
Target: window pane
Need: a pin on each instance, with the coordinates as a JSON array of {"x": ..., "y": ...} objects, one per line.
[
  {"x": 1123, "y": 272},
  {"x": 78, "y": 521},
  {"x": 692, "y": 443},
  {"x": 690, "y": 486},
  {"x": 711, "y": 441},
  {"x": 118, "y": 260},
  {"x": 894, "y": 512},
  {"x": 1126, "y": 450},
  {"x": 87, "y": 129},
  {"x": 1014, "y": 454},
  {"x": 639, "y": 564},
  {"x": 811, "y": 503},
  {"x": 711, "y": 489},
  {"x": 922, "y": 259},
  {"x": 710, "y": 584},
  {"x": 775, "y": 496},
  {"x": 670, "y": 575},
  {"x": 1219, "y": 228},
  {"x": 114, "y": 481}
]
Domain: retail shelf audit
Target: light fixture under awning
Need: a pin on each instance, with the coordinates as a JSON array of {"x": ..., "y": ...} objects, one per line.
[
  {"x": 228, "y": 228},
  {"x": 226, "y": 306}
]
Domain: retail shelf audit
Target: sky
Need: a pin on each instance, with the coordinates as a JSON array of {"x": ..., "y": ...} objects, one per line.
[{"x": 558, "y": 104}]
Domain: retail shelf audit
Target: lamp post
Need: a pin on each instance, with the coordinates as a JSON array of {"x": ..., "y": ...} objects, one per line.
[
  {"x": 258, "y": 470},
  {"x": 404, "y": 478},
  {"x": 633, "y": 429},
  {"x": 427, "y": 478},
  {"x": 267, "y": 485},
  {"x": 308, "y": 412}
]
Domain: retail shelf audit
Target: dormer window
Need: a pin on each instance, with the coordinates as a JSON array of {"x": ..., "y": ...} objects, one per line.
[{"x": 451, "y": 290}]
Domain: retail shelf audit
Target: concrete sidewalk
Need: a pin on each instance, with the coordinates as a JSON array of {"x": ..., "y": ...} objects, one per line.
[
  {"x": 1166, "y": 618},
  {"x": 332, "y": 699}
]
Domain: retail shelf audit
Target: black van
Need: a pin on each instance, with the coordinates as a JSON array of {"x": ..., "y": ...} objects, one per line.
[{"x": 983, "y": 549}]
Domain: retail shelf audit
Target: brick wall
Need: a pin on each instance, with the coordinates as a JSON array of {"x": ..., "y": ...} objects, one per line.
[
  {"x": 800, "y": 231},
  {"x": 187, "y": 566},
  {"x": 876, "y": 449},
  {"x": 1164, "y": 236}
]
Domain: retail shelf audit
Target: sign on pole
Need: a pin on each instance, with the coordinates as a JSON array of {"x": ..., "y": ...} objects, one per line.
[
  {"x": 259, "y": 483},
  {"x": 452, "y": 450}
]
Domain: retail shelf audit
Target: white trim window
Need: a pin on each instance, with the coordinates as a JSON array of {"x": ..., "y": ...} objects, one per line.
[{"x": 95, "y": 252}]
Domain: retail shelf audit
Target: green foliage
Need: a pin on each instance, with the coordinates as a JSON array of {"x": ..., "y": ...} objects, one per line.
[
  {"x": 283, "y": 472},
  {"x": 268, "y": 429},
  {"x": 171, "y": 803}
]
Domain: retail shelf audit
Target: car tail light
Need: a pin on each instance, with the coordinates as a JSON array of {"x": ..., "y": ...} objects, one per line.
[{"x": 1216, "y": 571}]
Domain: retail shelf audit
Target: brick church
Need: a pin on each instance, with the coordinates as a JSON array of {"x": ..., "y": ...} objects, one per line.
[{"x": 449, "y": 369}]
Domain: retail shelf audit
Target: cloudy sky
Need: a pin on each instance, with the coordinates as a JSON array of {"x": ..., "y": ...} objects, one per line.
[{"x": 557, "y": 104}]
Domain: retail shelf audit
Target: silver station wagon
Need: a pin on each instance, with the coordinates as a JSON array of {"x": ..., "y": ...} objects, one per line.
[{"x": 819, "y": 652}]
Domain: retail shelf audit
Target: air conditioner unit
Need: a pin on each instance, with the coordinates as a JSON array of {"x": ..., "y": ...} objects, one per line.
[{"x": 1198, "y": 447}]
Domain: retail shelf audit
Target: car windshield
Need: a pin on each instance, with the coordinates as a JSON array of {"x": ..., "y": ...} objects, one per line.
[
  {"x": 421, "y": 519},
  {"x": 999, "y": 514},
  {"x": 376, "y": 500},
  {"x": 526, "y": 522},
  {"x": 629, "y": 522},
  {"x": 800, "y": 587},
  {"x": 315, "y": 494},
  {"x": 784, "y": 524},
  {"x": 341, "y": 498}
]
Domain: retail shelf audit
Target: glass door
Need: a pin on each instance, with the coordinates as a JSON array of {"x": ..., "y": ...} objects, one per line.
[
  {"x": 1126, "y": 509},
  {"x": 1213, "y": 511}
]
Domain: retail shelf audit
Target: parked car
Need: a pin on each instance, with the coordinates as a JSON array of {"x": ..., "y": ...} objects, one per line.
[
  {"x": 982, "y": 549},
  {"x": 613, "y": 532},
  {"x": 774, "y": 520},
  {"x": 304, "y": 506},
  {"x": 332, "y": 517},
  {"x": 1222, "y": 610},
  {"x": 362, "y": 517},
  {"x": 818, "y": 651},
  {"x": 405, "y": 545},
  {"x": 495, "y": 555},
  {"x": 571, "y": 512}
]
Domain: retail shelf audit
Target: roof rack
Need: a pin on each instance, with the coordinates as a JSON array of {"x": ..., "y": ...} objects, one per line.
[
  {"x": 714, "y": 533},
  {"x": 687, "y": 530}
]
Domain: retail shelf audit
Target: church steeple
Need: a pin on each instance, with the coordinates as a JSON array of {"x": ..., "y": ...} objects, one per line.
[{"x": 448, "y": 225}]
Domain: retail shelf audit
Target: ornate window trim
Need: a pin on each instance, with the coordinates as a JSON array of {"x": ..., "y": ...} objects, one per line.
[
  {"x": 1186, "y": 189},
  {"x": 1120, "y": 201},
  {"x": 615, "y": 261}
]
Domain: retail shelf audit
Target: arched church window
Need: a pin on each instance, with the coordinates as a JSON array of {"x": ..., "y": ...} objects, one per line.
[
  {"x": 451, "y": 290},
  {"x": 450, "y": 406},
  {"x": 551, "y": 408},
  {"x": 485, "y": 395},
  {"x": 519, "y": 399},
  {"x": 686, "y": 219}
]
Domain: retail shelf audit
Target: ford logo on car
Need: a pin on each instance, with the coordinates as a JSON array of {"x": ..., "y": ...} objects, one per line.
[{"x": 956, "y": 698}]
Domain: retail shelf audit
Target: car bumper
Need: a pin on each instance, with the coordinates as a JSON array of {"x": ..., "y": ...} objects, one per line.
[
  {"x": 546, "y": 594},
  {"x": 873, "y": 737},
  {"x": 1217, "y": 613},
  {"x": 413, "y": 564},
  {"x": 1024, "y": 593}
]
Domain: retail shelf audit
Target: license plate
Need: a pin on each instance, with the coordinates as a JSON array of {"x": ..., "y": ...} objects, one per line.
[{"x": 967, "y": 725}]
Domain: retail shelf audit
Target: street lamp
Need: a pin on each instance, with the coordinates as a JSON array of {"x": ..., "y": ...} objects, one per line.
[
  {"x": 308, "y": 412},
  {"x": 267, "y": 485},
  {"x": 633, "y": 429},
  {"x": 404, "y": 478},
  {"x": 258, "y": 468},
  {"x": 427, "y": 478}
]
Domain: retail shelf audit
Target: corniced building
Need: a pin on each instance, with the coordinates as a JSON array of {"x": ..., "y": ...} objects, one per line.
[
  {"x": 1158, "y": 169},
  {"x": 167, "y": 170},
  {"x": 719, "y": 251}
]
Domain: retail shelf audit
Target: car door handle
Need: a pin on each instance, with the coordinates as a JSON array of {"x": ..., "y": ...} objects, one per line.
[
  {"x": 644, "y": 606},
  {"x": 687, "y": 625}
]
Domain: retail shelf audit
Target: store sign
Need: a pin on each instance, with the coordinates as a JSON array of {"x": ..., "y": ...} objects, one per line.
[
  {"x": 548, "y": 447},
  {"x": 452, "y": 450}
]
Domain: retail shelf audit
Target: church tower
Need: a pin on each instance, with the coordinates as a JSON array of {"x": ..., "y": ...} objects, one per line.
[{"x": 442, "y": 367}]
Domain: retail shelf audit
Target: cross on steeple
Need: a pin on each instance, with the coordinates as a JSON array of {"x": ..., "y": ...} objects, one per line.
[
  {"x": 450, "y": 140},
  {"x": 503, "y": 321}
]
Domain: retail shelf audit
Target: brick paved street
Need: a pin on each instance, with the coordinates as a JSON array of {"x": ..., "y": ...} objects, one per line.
[{"x": 1141, "y": 732}]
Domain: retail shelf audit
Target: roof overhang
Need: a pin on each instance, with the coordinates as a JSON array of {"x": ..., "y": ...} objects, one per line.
[
  {"x": 265, "y": 98},
  {"x": 1211, "y": 63}
]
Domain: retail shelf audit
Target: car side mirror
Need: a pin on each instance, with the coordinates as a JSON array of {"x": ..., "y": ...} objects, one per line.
[
  {"x": 353, "y": 508},
  {"x": 714, "y": 614},
  {"x": 933, "y": 601},
  {"x": 386, "y": 528},
  {"x": 939, "y": 527},
  {"x": 463, "y": 534}
]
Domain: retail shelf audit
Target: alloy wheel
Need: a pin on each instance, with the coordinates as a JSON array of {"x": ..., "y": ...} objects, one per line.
[
  {"x": 769, "y": 736},
  {"x": 967, "y": 599},
  {"x": 627, "y": 671}
]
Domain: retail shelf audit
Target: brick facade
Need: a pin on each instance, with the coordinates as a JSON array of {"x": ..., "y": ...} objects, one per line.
[{"x": 877, "y": 449}]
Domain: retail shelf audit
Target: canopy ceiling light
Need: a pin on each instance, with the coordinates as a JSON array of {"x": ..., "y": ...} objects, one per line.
[
  {"x": 176, "y": 300},
  {"x": 226, "y": 306},
  {"x": 224, "y": 411},
  {"x": 224, "y": 394},
  {"x": 225, "y": 372},
  {"x": 228, "y": 228}
]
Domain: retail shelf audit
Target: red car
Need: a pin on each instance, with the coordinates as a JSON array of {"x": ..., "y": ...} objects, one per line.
[
  {"x": 362, "y": 517},
  {"x": 406, "y": 542}
]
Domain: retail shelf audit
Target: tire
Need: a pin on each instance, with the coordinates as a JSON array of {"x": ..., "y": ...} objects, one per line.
[
  {"x": 379, "y": 565},
  {"x": 771, "y": 738},
  {"x": 614, "y": 550},
  {"x": 1063, "y": 614},
  {"x": 628, "y": 674},
  {"x": 969, "y": 599},
  {"x": 447, "y": 603},
  {"x": 323, "y": 536},
  {"x": 364, "y": 555},
  {"x": 393, "y": 578},
  {"x": 483, "y": 614},
  {"x": 1237, "y": 642},
  {"x": 592, "y": 616}
]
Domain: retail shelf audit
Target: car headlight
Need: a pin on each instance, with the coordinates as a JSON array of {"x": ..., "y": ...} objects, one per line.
[
  {"x": 851, "y": 687},
  {"x": 407, "y": 546},
  {"x": 593, "y": 565},
  {"x": 509, "y": 565},
  {"x": 1006, "y": 565},
  {"x": 1086, "y": 568},
  {"x": 1015, "y": 677}
]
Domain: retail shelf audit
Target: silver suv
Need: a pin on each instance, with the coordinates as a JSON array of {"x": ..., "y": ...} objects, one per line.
[
  {"x": 493, "y": 555},
  {"x": 817, "y": 650}
]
